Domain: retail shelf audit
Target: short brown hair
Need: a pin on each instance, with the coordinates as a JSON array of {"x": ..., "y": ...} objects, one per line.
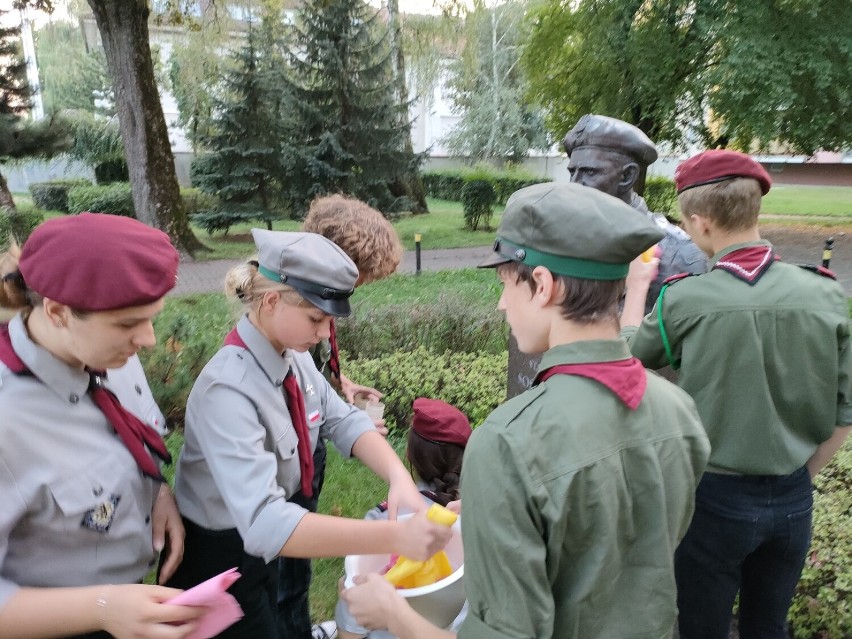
[
  {"x": 363, "y": 233},
  {"x": 732, "y": 204},
  {"x": 585, "y": 302}
]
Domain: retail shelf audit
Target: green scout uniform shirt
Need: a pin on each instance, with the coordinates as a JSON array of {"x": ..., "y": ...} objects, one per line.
[
  {"x": 574, "y": 504},
  {"x": 768, "y": 364}
]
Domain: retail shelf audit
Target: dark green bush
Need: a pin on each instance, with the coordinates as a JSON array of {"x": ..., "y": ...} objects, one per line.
[
  {"x": 195, "y": 201},
  {"x": 189, "y": 332},
  {"x": 445, "y": 324},
  {"x": 447, "y": 184},
  {"x": 111, "y": 171},
  {"x": 474, "y": 382},
  {"x": 115, "y": 199},
  {"x": 660, "y": 195},
  {"x": 53, "y": 195},
  {"x": 822, "y": 606},
  {"x": 218, "y": 219},
  {"x": 18, "y": 224},
  {"x": 478, "y": 202}
]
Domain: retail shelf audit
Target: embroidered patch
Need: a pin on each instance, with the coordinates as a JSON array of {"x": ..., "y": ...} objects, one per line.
[
  {"x": 314, "y": 416},
  {"x": 100, "y": 517}
]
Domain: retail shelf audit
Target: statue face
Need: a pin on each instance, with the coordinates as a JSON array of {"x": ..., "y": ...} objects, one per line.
[{"x": 598, "y": 169}]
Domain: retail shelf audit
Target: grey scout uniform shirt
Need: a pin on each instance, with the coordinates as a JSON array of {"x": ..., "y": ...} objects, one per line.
[
  {"x": 574, "y": 505},
  {"x": 769, "y": 364},
  {"x": 240, "y": 460},
  {"x": 74, "y": 508}
]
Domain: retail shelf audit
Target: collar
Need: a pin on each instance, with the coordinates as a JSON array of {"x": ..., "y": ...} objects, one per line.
[
  {"x": 59, "y": 377},
  {"x": 586, "y": 352},
  {"x": 615, "y": 369},
  {"x": 274, "y": 364},
  {"x": 747, "y": 261}
]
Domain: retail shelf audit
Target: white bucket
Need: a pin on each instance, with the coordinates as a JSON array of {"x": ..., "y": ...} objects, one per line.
[{"x": 439, "y": 602}]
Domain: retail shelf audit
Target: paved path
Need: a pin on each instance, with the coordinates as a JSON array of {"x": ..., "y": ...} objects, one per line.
[
  {"x": 205, "y": 277},
  {"x": 794, "y": 244}
]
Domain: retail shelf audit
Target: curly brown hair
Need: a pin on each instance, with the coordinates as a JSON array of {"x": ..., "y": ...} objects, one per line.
[{"x": 363, "y": 233}]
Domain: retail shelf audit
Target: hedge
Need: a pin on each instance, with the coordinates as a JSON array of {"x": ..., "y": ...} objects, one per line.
[
  {"x": 660, "y": 195},
  {"x": 18, "y": 224},
  {"x": 53, "y": 195},
  {"x": 478, "y": 201},
  {"x": 117, "y": 199},
  {"x": 447, "y": 184}
]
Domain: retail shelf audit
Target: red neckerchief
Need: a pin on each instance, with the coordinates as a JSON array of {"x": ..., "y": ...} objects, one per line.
[
  {"x": 334, "y": 360},
  {"x": 626, "y": 378},
  {"x": 133, "y": 432},
  {"x": 748, "y": 264},
  {"x": 296, "y": 405}
]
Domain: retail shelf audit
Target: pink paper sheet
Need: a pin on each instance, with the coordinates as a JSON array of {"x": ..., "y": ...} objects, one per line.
[{"x": 222, "y": 609}]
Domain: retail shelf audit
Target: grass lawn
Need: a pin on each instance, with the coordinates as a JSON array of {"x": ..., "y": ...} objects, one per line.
[{"x": 822, "y": 201}]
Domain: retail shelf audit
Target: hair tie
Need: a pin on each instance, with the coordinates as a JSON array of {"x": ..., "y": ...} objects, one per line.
[{"x": 254, "y": 263}]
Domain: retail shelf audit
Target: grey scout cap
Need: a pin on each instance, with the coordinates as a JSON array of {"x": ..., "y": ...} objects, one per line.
[
  {"x": 312, "y": 264},
  {"x": 600, "y": 131},
  {"x": 572, "y": 230}
]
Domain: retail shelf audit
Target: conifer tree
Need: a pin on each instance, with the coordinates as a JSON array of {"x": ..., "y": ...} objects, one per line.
[
  {"x": 19, "y": 137},
  {"x": 344, "y": 130},
  {"x": 242, "y": 164}
]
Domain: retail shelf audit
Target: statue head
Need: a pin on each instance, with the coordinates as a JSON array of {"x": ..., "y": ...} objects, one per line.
[{"x": 607, "y": 154}]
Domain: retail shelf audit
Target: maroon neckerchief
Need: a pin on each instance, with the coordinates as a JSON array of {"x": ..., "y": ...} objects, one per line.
[
  {"x": 296, "y": 406},
  {"x": 624, "y": 377},
  {"x": 334, "y": 360},
  {"x": 133, "y": 432},
  {"x": 748, "y": 264}
]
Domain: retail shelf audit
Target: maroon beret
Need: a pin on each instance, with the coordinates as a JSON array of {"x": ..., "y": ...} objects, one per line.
[
  {"x": 98, "y": 262},
  {"x": 440, "y": 422},
  {"x": 718, "y": 165}
]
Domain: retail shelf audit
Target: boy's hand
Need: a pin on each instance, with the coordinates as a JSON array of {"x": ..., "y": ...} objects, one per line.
[
  {"x": 642, "y": 273},
  {"x": 420, "y": 538},
  {"x": 372, "y": 601}
]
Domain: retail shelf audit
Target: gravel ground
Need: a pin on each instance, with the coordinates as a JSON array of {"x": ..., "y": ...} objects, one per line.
[{"x": 797, "y": 244}]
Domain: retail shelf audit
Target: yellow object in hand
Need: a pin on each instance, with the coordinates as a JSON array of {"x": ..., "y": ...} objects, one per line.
[
  {"x": 408, "y": 573},
  {"x": 648, "y": 255}
]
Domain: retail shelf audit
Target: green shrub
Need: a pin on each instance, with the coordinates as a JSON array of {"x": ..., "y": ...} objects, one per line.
[
  {"x": 53, "y": 195},
  {"x": 447, "y": 184},
  {"x": 18, "y": 224},
  {"x": 111, "y": 171},
  {"x": 660, "y": 195},
  {"x": 218, "y": 219},
  {"x": 195, "y": 201},
  {"x": 448, "y": 323},
  {"x": 474, "y": 382},
  {"x": 189, "y": 332},
  {"x": 822, "y": 606},
  {"x": 478, "y": 202},
  {"x": 116, "y": 199}
]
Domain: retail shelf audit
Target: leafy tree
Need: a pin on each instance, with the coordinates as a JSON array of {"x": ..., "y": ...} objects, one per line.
[
  {"x": 123, "y": 27},
  {"x": 69, "y": 76},
  {"x": 767, "y": 70},
  {"x": 488, "y": 86},
  {"x": 243, "y": 167},
  {"x": 344, "y": 131},
  {"x": 19, "y": 137}
]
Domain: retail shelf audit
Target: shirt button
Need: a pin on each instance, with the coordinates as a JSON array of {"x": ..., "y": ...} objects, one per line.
[
  {"x": 138, "y": 389},
  {"x": 292, "y": 450},
  {"x": 147, "y": 519},
  {"x": 73, "y": 398},
  {"x": 97, "y": 491}
]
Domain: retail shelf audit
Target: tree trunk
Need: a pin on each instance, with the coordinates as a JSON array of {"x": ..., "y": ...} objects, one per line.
[
  {"x": 413, "y": 183},
  {"x": 6, "y": 201},
  {"x": 123, "y": 26}
]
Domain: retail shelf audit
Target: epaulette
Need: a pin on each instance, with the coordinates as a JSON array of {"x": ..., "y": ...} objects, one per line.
[
  {"x": 819, "y": 270},
  {"x": 677, "y": 276}
]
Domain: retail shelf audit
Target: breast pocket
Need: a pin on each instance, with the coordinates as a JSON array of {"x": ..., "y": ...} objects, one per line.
[
  {"x": 288, "y": 473},
  {"x": 96, "y": 498}
]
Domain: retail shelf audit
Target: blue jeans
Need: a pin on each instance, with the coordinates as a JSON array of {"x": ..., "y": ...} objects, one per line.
[{"x": 750, "y": 533}]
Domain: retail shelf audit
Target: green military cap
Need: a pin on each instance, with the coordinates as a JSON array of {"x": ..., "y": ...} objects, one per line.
[
  {"x": 572, "y": 230},
  {"x": 602, "y": 132},
  {"x": 312, "y": 264}
]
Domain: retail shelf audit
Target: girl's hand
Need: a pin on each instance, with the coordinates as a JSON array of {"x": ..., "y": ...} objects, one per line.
[
  {"x": 420, "y": 538},
  {"x": 167, "y": 532},
  {"x": 136, "y": 611},
  {"x": 403, "y": 495},
  {"x": 372, "y": 601}
]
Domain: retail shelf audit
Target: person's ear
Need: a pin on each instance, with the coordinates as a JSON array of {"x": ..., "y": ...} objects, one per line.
[
  {"x": 629, "y": 175},
  {"x": 270, "y": 300},
  {"x": 56, "y": 313},
  {"x": 546, "y": 285},
  {"x": 700, "y": 224}
]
